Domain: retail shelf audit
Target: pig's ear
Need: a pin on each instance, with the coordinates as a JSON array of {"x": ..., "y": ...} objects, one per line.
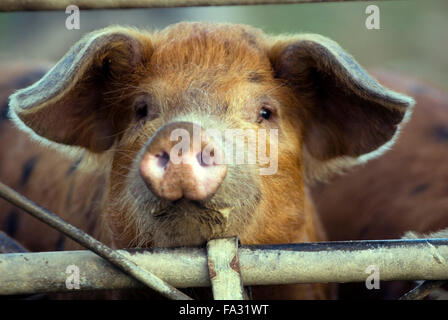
[
  {"x": 348, "y": 116},
  {"x": 68, "y": 104}
]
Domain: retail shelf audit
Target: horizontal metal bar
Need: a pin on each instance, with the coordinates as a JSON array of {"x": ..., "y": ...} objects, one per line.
[
  {"x": 35, "y": 5},
  {"x": 421, "y": 259}
]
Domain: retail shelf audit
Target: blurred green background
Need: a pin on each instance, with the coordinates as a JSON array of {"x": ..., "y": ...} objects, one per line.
[{"x": 413, "y": 38}]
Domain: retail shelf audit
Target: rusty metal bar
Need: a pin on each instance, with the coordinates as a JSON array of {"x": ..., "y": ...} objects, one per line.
[
  {"x": 347, "y": 261},
  {"x": 91, "y": 243},
  {"x": 9, "y": 245},
  {"x": 224, "y": 269},
  {"x": 423, "y": 290},
  {"x": 41, "y": 5}
]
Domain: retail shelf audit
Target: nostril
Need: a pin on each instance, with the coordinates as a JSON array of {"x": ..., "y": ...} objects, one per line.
[
  {"x": 201, "y": 159},
  {"x": 207, "y": 158},
  {"x": 162, "y": 159}
]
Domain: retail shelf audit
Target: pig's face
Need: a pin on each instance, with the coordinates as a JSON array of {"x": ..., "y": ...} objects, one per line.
[
  {"x": 217, "y": 79},
  {"x": 122, "y": 94}
]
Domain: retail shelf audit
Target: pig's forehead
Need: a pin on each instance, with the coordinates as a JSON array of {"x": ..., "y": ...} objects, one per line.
[
  {"x": 210, "y": 96},
  {"x": 211, "y": 50}
]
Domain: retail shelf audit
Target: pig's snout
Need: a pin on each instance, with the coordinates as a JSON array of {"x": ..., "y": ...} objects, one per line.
[{"x": 183, "y": 161}]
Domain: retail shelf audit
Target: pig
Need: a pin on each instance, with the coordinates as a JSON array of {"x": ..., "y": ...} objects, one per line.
[
  {"x": 404, "y": 190},
  {"x": 95, "y": 135}
]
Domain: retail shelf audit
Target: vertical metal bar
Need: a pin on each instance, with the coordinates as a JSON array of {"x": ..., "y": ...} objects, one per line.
[{"x": 224, "y": 269}]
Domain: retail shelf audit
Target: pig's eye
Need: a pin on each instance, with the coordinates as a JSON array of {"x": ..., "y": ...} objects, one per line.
[
  {"x": 144, "y": 109},
  {"x": 265, "y": 114},
  {"x": 141, "y": 110}
]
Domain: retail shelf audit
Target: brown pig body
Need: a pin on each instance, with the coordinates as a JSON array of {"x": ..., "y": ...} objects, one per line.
[{"x": 95, "y": 137}]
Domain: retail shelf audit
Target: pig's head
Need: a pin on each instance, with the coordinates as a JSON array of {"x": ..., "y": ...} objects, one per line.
[{"x": 124, "y": 96}]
